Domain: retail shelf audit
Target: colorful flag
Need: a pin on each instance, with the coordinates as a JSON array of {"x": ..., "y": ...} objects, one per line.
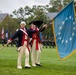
[
  {"x": 6, "y": 34},
  {"x": 2, "y": 34},
  {"x": 65, "y": 31}
]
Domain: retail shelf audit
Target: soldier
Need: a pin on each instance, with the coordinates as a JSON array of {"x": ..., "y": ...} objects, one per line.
[
  {"x": 36, "y": 43},
  {"x": 22, "y": 35}
]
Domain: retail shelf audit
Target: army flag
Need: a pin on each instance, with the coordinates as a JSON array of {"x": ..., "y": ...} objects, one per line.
[{"x": 65, "y": 31}]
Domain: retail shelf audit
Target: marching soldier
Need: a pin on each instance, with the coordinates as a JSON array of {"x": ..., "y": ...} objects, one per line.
[
  {"x": 36, "y": 43},
  {"x": 23, "y": 47}
]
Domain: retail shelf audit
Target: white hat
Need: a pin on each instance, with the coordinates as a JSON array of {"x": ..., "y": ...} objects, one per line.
[{"x": 22, "y": 22}]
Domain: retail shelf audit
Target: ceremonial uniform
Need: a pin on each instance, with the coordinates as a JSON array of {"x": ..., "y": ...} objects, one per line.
[
  {"x": 23, "y": 47},
  {"x": 36, "y": 44},
  {"x": 35, "y": 50}
]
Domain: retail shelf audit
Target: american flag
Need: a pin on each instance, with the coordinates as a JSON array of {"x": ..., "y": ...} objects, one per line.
[
  {"x": 2, "y": 34},
  {"x": 65, "y": 31}
]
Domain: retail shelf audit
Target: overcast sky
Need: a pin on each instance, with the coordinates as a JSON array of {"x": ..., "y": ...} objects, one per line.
[{"x": 7, "y": 6}]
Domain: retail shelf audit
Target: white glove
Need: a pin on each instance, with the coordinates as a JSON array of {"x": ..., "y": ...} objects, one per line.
[
  {"x": 9, "y": 41},
  {"x": 45, "y": 25}
]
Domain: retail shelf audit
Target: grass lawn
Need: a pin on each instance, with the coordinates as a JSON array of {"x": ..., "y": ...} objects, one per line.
[{"x": 51, "y": 64}]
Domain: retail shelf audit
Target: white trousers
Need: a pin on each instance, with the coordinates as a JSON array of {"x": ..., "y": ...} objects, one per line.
[
  {"x": 35, "y": 54},
  {"x": 23, "y": 50}
]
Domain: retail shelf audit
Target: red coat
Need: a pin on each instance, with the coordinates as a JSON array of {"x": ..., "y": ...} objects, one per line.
[{"x": 35, "y": 36}]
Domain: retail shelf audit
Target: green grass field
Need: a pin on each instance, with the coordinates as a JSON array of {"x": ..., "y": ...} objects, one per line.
[{"x": 51, "y": 64}]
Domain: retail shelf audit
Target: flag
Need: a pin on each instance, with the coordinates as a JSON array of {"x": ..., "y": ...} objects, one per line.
[
  {"x": 65, "y": 31},
  {"x": 6, "y": 34},
  {"x": 2, "y": 34}
]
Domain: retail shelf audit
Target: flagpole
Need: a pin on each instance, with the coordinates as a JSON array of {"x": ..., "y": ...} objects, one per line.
[
  {"x": 49, "y": 22},
  {"x": 4, "y": 46},
  {"x": 46, "y": 25}
]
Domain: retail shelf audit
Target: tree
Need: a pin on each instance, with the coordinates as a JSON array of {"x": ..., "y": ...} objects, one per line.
[
  {"x": 66, "y": 2},
  {"x": 22, "y": 13},
  {"x": 57, "y": 5},
  {"x": 10, "y": 24},
  {"x": 38, "y": 13}
]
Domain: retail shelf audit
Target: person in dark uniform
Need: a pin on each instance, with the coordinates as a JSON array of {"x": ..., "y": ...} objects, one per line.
[
  {"x": 23, "y": 47},
  {"x": 3, "y": 41}
]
